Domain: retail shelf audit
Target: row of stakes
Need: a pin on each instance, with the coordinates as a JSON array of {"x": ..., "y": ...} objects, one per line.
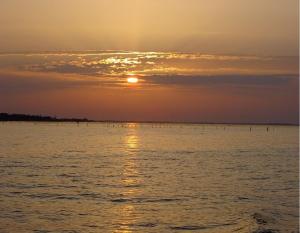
[{"x": 153, "y": 125}]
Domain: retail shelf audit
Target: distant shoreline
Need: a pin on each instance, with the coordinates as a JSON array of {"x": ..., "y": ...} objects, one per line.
[
  {"x": 38, "y": 118},
  {"x": 6, "y": 117}
]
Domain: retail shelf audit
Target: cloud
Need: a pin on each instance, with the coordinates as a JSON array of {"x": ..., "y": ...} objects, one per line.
[
  {"x": 18, "y": 81},
  {"x": 15, "y": 81},
  {"x": 221, "y": 80},
  {"x": 44, "y": 71},
  {"x": 117, "y": 63}
]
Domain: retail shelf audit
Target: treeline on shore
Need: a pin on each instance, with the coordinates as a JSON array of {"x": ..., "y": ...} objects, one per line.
[{"x": 25, "y": 117}]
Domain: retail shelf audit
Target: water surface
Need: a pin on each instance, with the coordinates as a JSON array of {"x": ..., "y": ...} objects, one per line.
[{"x": 101, "y": 177}]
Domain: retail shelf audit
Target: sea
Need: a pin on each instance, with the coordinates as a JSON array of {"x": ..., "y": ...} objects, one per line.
[{"x": 148, "y": 177}]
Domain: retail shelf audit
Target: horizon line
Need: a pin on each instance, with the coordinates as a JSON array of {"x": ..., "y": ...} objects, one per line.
[{"x": 51, "y": 119}]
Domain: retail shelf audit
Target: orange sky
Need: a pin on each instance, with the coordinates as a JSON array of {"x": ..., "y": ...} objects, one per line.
[
  {"x": 233, "y": 26},
  {"x": 212, "y": 61}
]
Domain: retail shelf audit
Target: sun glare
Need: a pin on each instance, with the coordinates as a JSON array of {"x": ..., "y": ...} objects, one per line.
[{"x": 132, "y": 80}]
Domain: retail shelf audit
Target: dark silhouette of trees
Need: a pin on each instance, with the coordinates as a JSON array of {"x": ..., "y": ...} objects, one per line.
[{"x": 25, "y": 117}]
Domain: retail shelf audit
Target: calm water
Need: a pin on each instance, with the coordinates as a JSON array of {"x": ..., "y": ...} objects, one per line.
[{"x": 60, "y": 177}]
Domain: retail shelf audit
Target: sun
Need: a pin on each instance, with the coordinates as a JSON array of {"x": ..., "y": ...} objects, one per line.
[{"x": 132, "y": 80}]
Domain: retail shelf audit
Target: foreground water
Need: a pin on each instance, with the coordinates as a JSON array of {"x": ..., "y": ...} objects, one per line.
[{"x": 64, "y": 177}]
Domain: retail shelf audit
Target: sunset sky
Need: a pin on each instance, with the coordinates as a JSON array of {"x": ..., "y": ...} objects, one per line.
[{"x": 195, "y": 60}]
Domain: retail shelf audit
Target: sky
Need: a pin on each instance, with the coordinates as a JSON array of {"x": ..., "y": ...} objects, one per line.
[{"x": 232, "y": 61}]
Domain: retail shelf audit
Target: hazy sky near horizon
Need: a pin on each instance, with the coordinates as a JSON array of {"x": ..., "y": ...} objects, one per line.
[{"x": 196, "y": 60}]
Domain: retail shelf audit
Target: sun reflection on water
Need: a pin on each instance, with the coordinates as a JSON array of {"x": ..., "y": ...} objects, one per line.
[
  {"x": 127, "y": 220},
  {"x": 130, "y": 181},
  {"x": 132, "y": 142}
]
